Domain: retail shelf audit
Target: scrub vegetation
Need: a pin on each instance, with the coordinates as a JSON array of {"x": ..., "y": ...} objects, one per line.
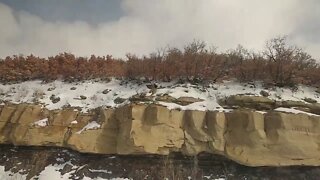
[{"x": 279, "y": 64}]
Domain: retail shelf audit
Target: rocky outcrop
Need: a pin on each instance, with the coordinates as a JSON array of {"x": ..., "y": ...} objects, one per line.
[
  {"x": 264, "y": 103},
  {"x": 254, "y": 102},
  {"x": 246, "y": 136},
  {"x": 183, "y": 101}
]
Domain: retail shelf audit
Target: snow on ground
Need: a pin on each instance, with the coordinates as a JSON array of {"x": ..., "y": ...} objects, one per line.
[
  {"x": 89, "y": 94},
  {"x": 52, "y": 172},
  {"x": 294, "y": 111},
  {"x": 9, "y": 175}
]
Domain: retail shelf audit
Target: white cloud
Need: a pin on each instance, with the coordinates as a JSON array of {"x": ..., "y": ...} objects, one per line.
[{"x": 151, "y": 24}]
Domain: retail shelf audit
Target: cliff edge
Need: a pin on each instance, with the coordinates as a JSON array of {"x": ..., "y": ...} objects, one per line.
[{"x": 249, "y": 137}]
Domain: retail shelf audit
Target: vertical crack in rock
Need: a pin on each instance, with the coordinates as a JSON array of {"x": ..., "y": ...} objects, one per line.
[{"x": 5, "y": 125}]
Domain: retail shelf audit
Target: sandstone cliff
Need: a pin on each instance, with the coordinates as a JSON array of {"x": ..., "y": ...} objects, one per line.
[{"x": 246, "y": 136}]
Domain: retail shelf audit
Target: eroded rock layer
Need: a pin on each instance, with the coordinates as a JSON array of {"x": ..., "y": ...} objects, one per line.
[{"x": 248, "y": 137}]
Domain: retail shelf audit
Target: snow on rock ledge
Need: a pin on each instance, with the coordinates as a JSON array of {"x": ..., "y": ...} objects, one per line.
[{"x": 91, "y": 94}]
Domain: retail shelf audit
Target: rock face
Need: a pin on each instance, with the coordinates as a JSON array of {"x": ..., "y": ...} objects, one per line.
[
  {"x": 248, "y": 137},
  {"x": 264, "y": 103}
]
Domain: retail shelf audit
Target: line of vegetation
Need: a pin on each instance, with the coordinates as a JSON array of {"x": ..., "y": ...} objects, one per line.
[{"x": 279, "y": 64}]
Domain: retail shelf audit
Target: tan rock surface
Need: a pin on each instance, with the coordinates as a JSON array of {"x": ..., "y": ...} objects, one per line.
[
  {"x": 62, "y": 117},
  {"x": 216, "y": 124},
  {"x": 245, "y": 136},
  {"x": 255, "y": 102},
  {"x": 156, "y": 130},
  {"x": 38, "y": 136},
  {"x": 101, "y": 140}
]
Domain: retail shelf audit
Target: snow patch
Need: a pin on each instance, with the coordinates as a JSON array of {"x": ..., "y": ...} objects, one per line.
[
  {"x": 9, "y": 175},
  {"x": 41, "y": 123},
  {"x": 92, "y": 125},
  {"x": 100, "y": 171},
  {"x": 294, "y": 111},
  {"x": 74, "y": 122},
  {"x": 261, "y": 112}
]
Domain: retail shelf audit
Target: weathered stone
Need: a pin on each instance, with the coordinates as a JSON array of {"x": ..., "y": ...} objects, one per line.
[
  {"x": 310, "y": 100},
  {"x": 292, "y": 138},
  {"x": 195, "y": 130},
  {"x": 245, "y": 137},
  {"x": 106, "y": 91},
  {"x": 140, "y": 98},
  {"x": 216, "y": 125},
  {"x": 101, "y": 140},
  {"x": 29, "y": 114},
  {"x": 6, "y": 113},
  {"x": 184, "y": 101},
  {"x": 51, "y": 89},
  {"x": 156, "y": 122},
  {"x": 62, "y": 117},
  {"x": 248, "y": 137},
  {"x": 123, "y": 116},
  {"x": 119, "y": 100},
  {"x": 54, "y": 99},
  {"x": 254, "y": 102},
  {"x": 314, "y": 108},
  {"x": 264, "y": 93},
  {"x": 82, "y": 97},
  {"x": 41, "y": 136},
  {"x": 152, "y": 86},
  {"x": 166, "y": 98},
  {"x": 291, "y": 103},
  {"x": 17, "y": 113},
  {"x": 181, "y": 100}
]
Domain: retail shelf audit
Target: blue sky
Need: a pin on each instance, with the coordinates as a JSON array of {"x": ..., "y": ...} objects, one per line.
[
  {"x": 92, "y": 11},
  {"x": 117, "y": 27}
]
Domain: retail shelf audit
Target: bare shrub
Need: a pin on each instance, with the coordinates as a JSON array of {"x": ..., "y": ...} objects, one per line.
[{"x": 279, "y": 64}]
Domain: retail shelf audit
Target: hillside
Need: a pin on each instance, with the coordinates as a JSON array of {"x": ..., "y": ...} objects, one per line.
[{"x": 240, "y": 108}]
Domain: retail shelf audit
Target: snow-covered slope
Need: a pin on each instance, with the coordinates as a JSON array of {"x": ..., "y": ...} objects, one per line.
[
  {"x": 51, "y": 172},
  {"x": 92, "y": 94}
]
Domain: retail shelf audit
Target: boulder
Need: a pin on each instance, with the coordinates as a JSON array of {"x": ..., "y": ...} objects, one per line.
[
  {"x": 119, "y": 100},
  {"x": 310, "y": 100},
  {"x": 166, "y": 98},
  {"x": 54, "y": 99},
  {"x": 140, "y": 98},
  {"x": 184, "y": 101},
  {"x": 254, "y": 102},
  {"x": 264, "y": 93},
  {"x": 106, "y": 91}
]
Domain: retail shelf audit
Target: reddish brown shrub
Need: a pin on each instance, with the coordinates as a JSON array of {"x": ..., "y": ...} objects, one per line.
[{"x": 280, "y": 64}]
